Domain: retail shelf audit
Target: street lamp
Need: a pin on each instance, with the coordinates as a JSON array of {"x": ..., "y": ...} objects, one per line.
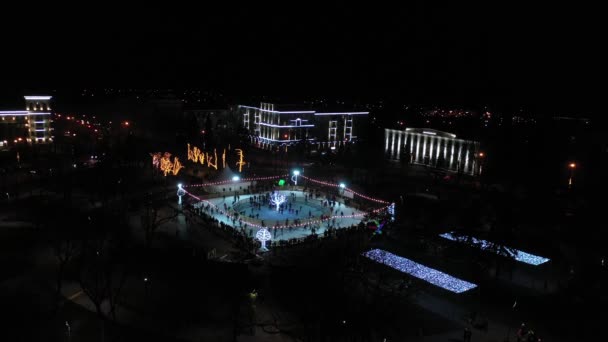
[
  {"x": 480, "y": 156},
  {"x": 295, "y": 173},
  {"x": 572, "y": 167},
  {"x": 180, "y": 192},
  {"x": 341, "y": 186},
  {"x": 236, "y": 178}
]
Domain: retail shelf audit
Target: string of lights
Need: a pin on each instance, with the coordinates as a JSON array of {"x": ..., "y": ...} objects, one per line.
[
  {"x": 346, "y": 189},
  {"x": 232, "y": 181},
  {"x": 517, "y": 254}
]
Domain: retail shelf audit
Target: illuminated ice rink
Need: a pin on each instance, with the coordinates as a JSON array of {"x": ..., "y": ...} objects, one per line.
[{"x": 307, "y": 211}]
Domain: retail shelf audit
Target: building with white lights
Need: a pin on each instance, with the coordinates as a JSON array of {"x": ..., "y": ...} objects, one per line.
[
  {"x": 429, "y": 147},
  {"x": 32, "y": 125},
  {"x": 273, "y": 125}
]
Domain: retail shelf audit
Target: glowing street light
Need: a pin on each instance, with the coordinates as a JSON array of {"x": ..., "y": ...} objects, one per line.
[
  {"x": 341, "y": 188},
  {"x": 296, "y": 173},
  {"x": 236, "y": 178},
  {"x": 180, "y": 192},
  {"x": 572, "y": 167}
]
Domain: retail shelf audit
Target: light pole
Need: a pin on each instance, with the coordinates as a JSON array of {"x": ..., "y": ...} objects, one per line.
[
  {"x": 572, "y": 167},
  {"x": 180, "y": 192},
  {"x": 294, "y": 178},
  {"x": 480, "y": 158},
  {"x": 68, "y": 330}
]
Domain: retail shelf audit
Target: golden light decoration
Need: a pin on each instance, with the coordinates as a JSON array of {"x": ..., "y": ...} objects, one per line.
[
  {"x": 224, "y": 159},
  {"x": 241, "y": 161},
  {"x": 196, "y": 155},
  {"x": 164, "y": 163},
  {"x": 210, "y": 160}
]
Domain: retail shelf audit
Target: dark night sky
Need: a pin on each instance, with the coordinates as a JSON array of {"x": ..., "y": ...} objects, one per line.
[{"x": 418, "y": 51}]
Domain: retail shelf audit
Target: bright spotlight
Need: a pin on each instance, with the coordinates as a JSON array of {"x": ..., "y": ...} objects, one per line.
[
  {"x": 179, "y": 185},
  {"x": 236, "y": 178},
  {"x": 342, "y": 185},
  {"x": 296, "y": 172}
]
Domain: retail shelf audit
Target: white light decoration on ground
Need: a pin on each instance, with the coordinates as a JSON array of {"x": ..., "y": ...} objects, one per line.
[
  {"x": 518, "y": 255},
  {"x": 37, "y": 97},
  {"x": 294, "y": 178},
  {"x": 180, "y": 192},
  {"x": 419, "y": 271},
  {"x": 263, "y": 235},
  {"x": 277, "y": 199}
]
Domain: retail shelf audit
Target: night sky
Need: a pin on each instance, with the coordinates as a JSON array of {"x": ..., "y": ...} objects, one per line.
[{"x": 459, "y": 52}]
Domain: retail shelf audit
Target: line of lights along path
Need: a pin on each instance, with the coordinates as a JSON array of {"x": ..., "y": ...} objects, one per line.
[
  {"x": 518, "y": 255},
  {"x": 420, "y": 271}
]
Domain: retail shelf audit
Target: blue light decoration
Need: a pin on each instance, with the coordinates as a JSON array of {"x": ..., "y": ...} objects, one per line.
[
  {"x": 419, "y": 271},
  {"x": 518, "y": 255}
]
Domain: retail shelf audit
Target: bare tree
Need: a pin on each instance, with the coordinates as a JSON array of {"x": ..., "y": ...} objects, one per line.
[
  {"x": 65, "y": 247},
  {"x": 151, "y": 220}
]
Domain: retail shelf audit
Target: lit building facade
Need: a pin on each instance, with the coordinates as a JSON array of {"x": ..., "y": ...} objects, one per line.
[
  {"x": 433, "y": 148},
  {"x": 270, "y": 125},
  {"x": 32, "y": 125}
]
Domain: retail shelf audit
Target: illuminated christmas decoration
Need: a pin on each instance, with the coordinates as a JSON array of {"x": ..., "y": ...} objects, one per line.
[
  {"x": 156, "y": 159},
  {"x": 228, "y": 181},
  {"x": 419, "y": 271},
  {"x": 516, "y": 254},
  {"x": 345, "y": 189},
  {"x": 165, "y": 164},
  {"x": 281, "y": 182},
  {"x": 241, "y": 161},
  {"x": 224, "y": 159},
  {"x": 210, "y": 160},
  {"x": 196, "y": 155},
  {"x": 277, "y": 199},
  {"x": 263, "y": 235}
]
